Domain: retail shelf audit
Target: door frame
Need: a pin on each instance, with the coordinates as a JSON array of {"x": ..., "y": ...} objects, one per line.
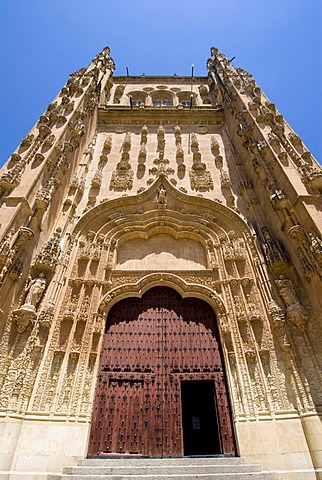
[{"x": 185, "y": 289}]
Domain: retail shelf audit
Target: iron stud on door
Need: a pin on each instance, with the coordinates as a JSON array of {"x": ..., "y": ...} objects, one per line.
[{"x": 165, "y": 341}]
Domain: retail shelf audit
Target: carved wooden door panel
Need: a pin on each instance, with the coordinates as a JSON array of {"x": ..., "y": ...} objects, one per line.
[{"x": 151, "y": 347}]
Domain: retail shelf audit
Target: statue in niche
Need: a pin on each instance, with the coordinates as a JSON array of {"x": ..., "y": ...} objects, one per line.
[
  {"x": 35, "y": 290},
  {"x": 295, "y": 312},
  {"x": 286, "y": 291},
  {"x": 26, "y": 314},
  {"x": 162, "y": 196}
]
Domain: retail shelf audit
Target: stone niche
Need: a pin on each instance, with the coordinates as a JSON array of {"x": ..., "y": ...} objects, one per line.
[{"x": 161, "y": 252}]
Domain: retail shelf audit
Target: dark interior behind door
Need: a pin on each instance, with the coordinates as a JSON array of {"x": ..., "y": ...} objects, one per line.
[{"x": 199, "y": 419}]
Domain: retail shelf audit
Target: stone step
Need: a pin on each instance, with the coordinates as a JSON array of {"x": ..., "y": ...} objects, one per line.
[
  {"x": 182, "y": 468},
  {"x": 161, "y": 469},
  {"x": 144, "y": 461},
  {"x": 185, "y": 476}
]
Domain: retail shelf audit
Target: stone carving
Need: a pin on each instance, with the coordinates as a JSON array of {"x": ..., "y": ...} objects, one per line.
[
  {"x": 312, "y": 176},
  {"x": 214, "y": 145},
  {"x": 97, "y": 179},
  {"x": 122, "y": 177},
  {"x": 232, "y": 247},
  {"x": 179, "y": 152},
  {"x": 11, "y": 264},
  {"x": 89, "y": 248},
  {"x": 86, "y": 246},
  {"x": 103, "y": 61},
  {"x": 76, "y": 129},
  {"x": 144, "y": 134},
  {"x": 5, "y": 246},
  {"x": 161, "y": 168},
  {"x": 35, "y": 290},
  {"x": 245, "y": 184},
  {"x": 107, "y": 144},
  {"x": 24, "y": 234},
  {"x": 200, "y": 177},
  {"x": 306, "y": 265},
  {"x": 118, "y": 93},
  {"x": 310, "y": 253},
  {"x": 142, "y": 152},
  {"x": 47, "y": 259},
  {"x": 44, "y": 131},
  {"x": 98, "y": 247},
  {"x": 278, "y": 198},
  {"x": 26, "y": 314},
  {"x": 162, "y": 196},
  {"x": 44, "y": 196},
  {"x": 143, "y": 149},
  {"x": 160, "y": 139},
  {"x": 258, "y": 360},
  {"x": 16, "y": 270},
  {"x": 295, "y": 312},
  {"x": 203, "y": 90},
  {"x": 46, "y": 316},
  {"x": 274, "y": 251},
  {"x": 127, "y": 142},
  {"x": 254, "y": 313},
  {"x": 11, "y": 179},
  {"x": 194, "y": 142},
  {"x": 316, "y": 244},
  {"x": 294, "y": 139},
  {"x": 224, "y": 179},
  {"x": 27, "y": 141},
  {"x": 90, "y": 147},
  {"x": 241, "y": 315},
  {"x": 286, "y": 291}
]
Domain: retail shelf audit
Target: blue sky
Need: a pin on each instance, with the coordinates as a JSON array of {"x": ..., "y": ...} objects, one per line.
[{"x": 279, "y": 41}]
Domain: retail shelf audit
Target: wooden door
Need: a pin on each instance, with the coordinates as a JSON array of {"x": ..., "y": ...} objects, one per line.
[{"x": 152, "y": 347}]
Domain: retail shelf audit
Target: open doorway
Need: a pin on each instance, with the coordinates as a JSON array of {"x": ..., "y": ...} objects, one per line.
[{"x": 199, "y": 418}]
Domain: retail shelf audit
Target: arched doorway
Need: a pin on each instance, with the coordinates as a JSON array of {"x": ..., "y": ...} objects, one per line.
[{"x": 162, "y": 387}]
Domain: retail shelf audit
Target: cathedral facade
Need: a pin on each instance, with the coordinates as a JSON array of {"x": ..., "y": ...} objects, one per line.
[{"x": 160, "y": 277}]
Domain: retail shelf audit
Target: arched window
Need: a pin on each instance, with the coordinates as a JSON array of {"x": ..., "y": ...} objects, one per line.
[
  {"x": 185, "y": 99},
  {"x": 138, "y": 98},
  {"x": 162, "y": 99}
]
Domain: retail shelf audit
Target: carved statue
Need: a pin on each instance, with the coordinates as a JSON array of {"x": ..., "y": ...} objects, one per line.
[
  {"x": 162, "y": 195},
  {"x": 286, "y": 291},
  {"x": 35, "y": 290},
  {"x": 26, "y": 314},
  {"x": 295, "y": 312}
]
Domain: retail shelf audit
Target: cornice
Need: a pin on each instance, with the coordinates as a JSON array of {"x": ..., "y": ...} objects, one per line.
[
  {"x": 165, "y": 79},
  {"x": 124, "y": 114}
]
